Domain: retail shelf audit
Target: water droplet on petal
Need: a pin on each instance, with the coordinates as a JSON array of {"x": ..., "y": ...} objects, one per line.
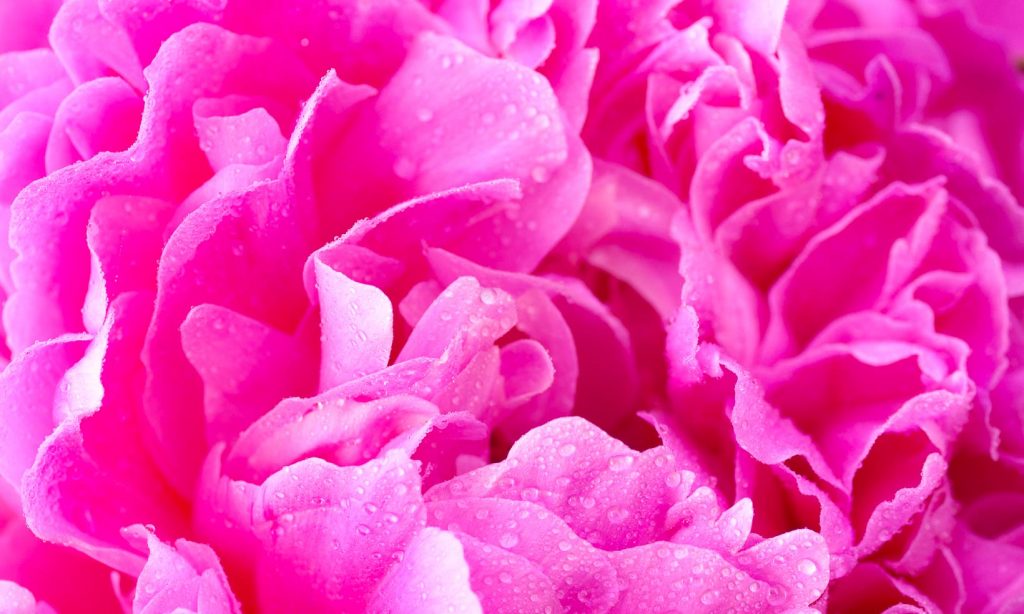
[
  {"x": 807, "y": 567},
  {"x": 621, "y": 462},
  {"x": 405, "y": 168},
  {"x": 508, "y": 540},
  {"x": 540, "y": 174},
  {"x": 618, "y": 515}
]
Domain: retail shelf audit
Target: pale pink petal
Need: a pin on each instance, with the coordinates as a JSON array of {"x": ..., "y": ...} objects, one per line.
[
  {"x": 124, "y": 239},
  {"x": 185, "y": 576},
  {"x": 73, "y": 494},
  {"x": 26, "y": 24},
  {"x": 758, "y": 23},
  {"x": 611, "y": 495},
  {"x": 313, "y": 535},
  {"x": 357, "y": 327},
  {"x": 18, "y": 600},
  {"x": 661, "y": 575},
  {"x": 48, "y": 220},
  {"x": 495, "y": 570},
  {"x": 245, "y": 365},
  {"x": 99, "y": 115},
  {"x": 582, "y": 575},
  {"x": 233, "y": 131},
  {"x": 28, "y": 389},
  {"x": 89, "y": 46},
  {"x": 432, "y": 577}
]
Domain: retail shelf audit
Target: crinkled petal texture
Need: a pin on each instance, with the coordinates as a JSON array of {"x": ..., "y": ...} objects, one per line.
[
  {"x": 634, "y": 516},
  {"x": 511, "y": 306}
]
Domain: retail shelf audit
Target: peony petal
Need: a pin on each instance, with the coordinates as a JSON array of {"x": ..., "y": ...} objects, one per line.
[
  {"x": 432, "y": 577},
  {"x": 73, "y": 494},
  {"x": 28, "y": 387},
  {"x": 186, "y": 576},
  {"x": 615, "y": 497},
  {"x": 246, "y": 367},
  {"x": 18, "y": 600},
  {"x": 315, "y": 521},
  {"x": 757, "y": 23},
  {"x": 582, "y": 575},
  {"x": 48, "y": 221},
  {"x": 357, "y": 327},
  {"x": 99, "y": 115},
  {"x": 660, "y": 574}
]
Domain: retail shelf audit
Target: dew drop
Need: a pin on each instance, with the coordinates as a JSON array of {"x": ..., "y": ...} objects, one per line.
[
  {"x": 621, "y": 462},
  {"x": 567, "y": 450},
  {"x": 405, "y": 168},
  {"x": 776, "y": 595},
  {"x": 807, "y": 567},
  {"x": 508, "y": 540},
  {"x": 617, "y": 515}
]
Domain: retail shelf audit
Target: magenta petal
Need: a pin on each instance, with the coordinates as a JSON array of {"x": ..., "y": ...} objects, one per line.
[
  {"x": 89, "y": 46},
  {"x": 230, "y": 133},
  {"x": 496, "y": 569},
  {"x": 615, "y": 497},
  {"x": 72, "y": 493},
  {"x": 343, "y": 431},
  {"x": 324, "y": 510},
  {"x": 758, "y": 23},
  {"x": 522, "y": 125},
  {"x": 124, "y": 236},
  {"x": 245, "y": 365},
  {"x": 185, "y": 576},
  {"x": 220, "y": 243},
  {"x": 660, "y": 574},
  {"x": 582, "y": 575},
  {"x": 99, "y": 115},
  {"x": 357, "y": 327},
  {"x": 432, "y": 577},
  {"x": 28, "y": 388},
  {"x": 462, "y": 320},
  {"x": 18, "y": 600}
]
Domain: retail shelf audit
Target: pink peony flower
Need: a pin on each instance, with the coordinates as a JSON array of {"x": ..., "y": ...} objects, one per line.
[{"x": 552, "y": 306}]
